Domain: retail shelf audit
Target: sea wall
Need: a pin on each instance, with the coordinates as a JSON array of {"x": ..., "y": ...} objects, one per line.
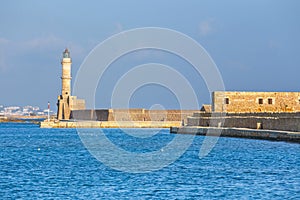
[
  {"x": 132, "y": 115},
  {"x": 239, "y": 133},
  {"x": 267, "y": 121},
  {"x": 109, "y": 124},
  {"x": 93, "y": 115}
]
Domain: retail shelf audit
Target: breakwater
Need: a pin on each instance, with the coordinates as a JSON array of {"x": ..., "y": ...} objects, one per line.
[
  {"x": 274, "y": 135},
  {"x": 132, "y": 114},
  {"x": 265, "y": 121},
  {"x": 121, "y": 118},
  {"x": 109, "y": 124}
]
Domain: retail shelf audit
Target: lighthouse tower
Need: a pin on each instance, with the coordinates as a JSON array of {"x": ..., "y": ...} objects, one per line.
[
  {"x": 66, "y": 74},
  {"x": 66, "y": 103}
]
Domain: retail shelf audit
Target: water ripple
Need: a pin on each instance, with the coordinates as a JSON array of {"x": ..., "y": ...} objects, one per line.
[{"x": 53, "y": 164}]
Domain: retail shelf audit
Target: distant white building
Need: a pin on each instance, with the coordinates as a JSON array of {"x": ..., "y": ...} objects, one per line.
[{"x": 23, "y": 111}]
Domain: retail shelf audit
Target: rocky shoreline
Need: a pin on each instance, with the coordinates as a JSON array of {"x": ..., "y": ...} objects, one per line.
[{"x": 22, "y": 119}]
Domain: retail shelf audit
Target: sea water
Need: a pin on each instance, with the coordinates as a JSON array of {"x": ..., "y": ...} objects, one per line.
[{"x": 54, "y": 164}]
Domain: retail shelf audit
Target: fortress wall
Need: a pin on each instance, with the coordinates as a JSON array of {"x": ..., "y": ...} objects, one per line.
[
  {"x": 149, "y": 115},
  {"x": 261, "y": 114},
  {"x": 291, "y": 123},
  {"x": 79, "y": 104},
  {"x": 126, "y": 114},
  {"x": 83, "y": 115},
  {"x": 92, "y": 115},
  {"x": 76, "y": 104},
  {"x": 255, "y": 102},
  {"x": 132, "y": 115}
]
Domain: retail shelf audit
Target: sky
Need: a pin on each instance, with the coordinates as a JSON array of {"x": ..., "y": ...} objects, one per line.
[{"x": 254, "y": 43}]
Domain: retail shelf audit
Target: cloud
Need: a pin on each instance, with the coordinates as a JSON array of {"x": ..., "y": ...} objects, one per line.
[
  {"x": 43, "y": 42},
  {"x": 50, "y": 44},
  {"x": 4, "y": 44},
  {"x": 118, "y": 27},
  {"x": 3, "y": 65},
  {"x": 77, "y": 51},
  {"x": 20, "y": 53},
  {"x": 4, "y": 41},
  {"x": 206, "y": 27}
]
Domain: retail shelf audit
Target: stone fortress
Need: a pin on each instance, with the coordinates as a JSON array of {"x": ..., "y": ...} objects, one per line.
[
  {"x": 256, "y": 102},
  {"x": 255, "y": 110}
]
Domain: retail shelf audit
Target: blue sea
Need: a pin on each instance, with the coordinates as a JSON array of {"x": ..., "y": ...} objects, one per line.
[{"x": 54, "y": 164}]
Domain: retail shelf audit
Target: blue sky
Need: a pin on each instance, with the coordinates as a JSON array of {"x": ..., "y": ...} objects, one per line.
[{"x": 255, "y": 44}]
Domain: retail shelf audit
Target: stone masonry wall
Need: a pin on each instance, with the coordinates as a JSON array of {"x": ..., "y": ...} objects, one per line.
[
  {"x": 255, "y": 102},
  {"x": 274, "y": 121},
  {"x": 132, "y": 115},
  {"x": 76, "y": 104},
  {"x": 149, "y": 115}
]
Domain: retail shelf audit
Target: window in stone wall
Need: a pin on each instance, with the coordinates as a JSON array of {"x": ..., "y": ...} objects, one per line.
[
  {"x": 226, "y": 100},
  {"x": 299, "y": 101},
  {"x": 270, "y": 101},
  {"x": 260, "y": 101}
]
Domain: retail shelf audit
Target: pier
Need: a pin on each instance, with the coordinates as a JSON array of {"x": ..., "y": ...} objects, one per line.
[
  {"x": 274, "y": 135},
  {"x": 109, "y": 124}
]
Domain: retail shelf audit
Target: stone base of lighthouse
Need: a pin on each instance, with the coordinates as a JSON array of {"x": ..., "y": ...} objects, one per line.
[{"x": 66, "y": 104}]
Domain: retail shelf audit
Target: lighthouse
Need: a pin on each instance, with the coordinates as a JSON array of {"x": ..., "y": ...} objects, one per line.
[
  {"x": 66, "y": 73},
  {"x": 66, "y": 102}
]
